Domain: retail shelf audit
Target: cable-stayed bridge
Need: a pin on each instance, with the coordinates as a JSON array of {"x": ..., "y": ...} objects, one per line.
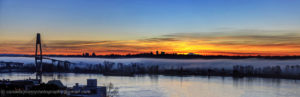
[{"x": 39, "y": 58}]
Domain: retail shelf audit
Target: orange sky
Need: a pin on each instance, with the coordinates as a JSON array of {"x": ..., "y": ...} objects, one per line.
[
  {"x": 266, "y": 44},
  {"x": 206, "y": 27}
]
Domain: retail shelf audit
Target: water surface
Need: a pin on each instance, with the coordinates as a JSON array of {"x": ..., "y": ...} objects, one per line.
[{"x": 173, "y": 86}]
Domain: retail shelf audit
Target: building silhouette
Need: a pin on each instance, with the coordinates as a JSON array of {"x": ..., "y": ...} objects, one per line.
[
  {"x": 94, "y": 54},
  {"x": 162, "y": 53},
  {"x": 86, "y": 54}
]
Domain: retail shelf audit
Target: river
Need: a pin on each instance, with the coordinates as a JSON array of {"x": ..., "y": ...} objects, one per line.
[{"x": 174, "y": 86}]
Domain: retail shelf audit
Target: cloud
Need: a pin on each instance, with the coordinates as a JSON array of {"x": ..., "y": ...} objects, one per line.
[
  {"x": 235, "y": 53},
  {"x": 125, "y": 51},
  {"x": 128, "y": 46},
  {"x": 238, "y": 42},
  {"x": 242, "y": 37},
  {"x": 161, "y": 39}
]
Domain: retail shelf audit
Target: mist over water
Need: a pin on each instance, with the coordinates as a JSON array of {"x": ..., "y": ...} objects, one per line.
[
  {"x": 167, "y": 63},
  {"x": 175, "y": 86}
]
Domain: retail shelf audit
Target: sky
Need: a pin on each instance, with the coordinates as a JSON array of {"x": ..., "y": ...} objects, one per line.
[{"x": 206, "y": 27}]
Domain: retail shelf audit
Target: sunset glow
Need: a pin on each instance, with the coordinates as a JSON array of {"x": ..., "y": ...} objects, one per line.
[{"x": 240, "y": 28}]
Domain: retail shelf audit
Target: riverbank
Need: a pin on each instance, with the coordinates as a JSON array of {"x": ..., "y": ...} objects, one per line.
[{"x": 175, "y": 67}]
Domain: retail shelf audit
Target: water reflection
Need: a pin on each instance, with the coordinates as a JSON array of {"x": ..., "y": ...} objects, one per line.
[{"x": 174, "y": 86}]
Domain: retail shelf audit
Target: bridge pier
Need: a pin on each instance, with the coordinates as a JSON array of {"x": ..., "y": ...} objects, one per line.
[{"x": 38, "y": 57}]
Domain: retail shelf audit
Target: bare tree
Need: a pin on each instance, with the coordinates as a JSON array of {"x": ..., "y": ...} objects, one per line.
[{"x": 112, "y": 91}]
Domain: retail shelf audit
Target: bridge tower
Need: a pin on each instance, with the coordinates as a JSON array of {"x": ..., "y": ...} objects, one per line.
[{"x": 38, "y": 57}]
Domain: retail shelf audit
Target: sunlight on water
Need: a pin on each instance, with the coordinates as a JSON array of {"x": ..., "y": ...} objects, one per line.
[{"x": 171, "y": 86}]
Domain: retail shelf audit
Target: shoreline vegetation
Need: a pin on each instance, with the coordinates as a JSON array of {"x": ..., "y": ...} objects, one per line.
[
  {"x": 108, "y": 68},
  {"x": 186, "y": 75},
  {"x": 162, "y": 56}
]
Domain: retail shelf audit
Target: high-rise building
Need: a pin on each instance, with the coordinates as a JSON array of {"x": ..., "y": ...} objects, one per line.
[
  {"x": 94, "y": 54},
  {"x": 87, "y": 54}
]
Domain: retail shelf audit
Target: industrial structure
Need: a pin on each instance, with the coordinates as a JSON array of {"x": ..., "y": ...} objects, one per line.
[
  {"x": 23, "y": 87},
  {"x": 38, "y": 57}
]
